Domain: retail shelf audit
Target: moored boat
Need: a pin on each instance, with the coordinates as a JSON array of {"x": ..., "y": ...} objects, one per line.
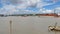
[
  {"x": 54, "y": 28},
  {"x": 57, "y": 28}
]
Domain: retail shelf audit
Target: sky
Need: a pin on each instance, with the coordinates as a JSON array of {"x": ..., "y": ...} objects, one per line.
[{"x": 29, "y": 6}]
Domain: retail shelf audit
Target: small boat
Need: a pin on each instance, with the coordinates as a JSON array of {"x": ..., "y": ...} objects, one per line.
[
  {"x": 54, "y": 28},
  {"x": 57, "y": 28}
]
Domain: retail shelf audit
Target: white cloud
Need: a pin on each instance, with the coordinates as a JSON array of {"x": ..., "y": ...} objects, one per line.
[
  {"x": 39, "y": 3},
  {"x": 43, "y": 10},
  {"x": 49, "y": 11},
  {"x": 27, "y": 3},
  {"x": 10, "y": 9},
  {"x": 22, "y": 6},
  {"x": 25, "y": 12},
  {"x": 58, "y": 8}
]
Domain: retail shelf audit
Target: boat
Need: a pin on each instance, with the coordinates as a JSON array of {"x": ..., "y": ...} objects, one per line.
[
  {"x": 54, "y": 28},
  {"x": 57, "y": 28}
]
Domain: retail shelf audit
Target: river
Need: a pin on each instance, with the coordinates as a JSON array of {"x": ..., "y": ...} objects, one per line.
[{"x": 28, "y": 25}]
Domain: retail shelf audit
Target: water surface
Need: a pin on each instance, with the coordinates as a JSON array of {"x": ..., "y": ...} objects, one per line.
[{"x": 28, "y": 25}]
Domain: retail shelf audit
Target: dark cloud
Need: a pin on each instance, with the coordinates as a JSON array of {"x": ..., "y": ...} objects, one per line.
[
  {"x": 13, "y": 1},
  {"x": 16, "y": 1}
]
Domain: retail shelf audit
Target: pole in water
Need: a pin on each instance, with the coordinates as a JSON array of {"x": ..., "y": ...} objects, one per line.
[
  {"x": 10, "y": 27},
  {"x": 55, "y": 24},
  {"x": 55, "y": 27}
]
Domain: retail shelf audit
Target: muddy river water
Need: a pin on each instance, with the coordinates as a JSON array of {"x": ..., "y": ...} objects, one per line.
[{"x": 28, "y": 25}]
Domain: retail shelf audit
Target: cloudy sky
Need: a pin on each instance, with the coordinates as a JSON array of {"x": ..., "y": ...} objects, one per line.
[{"x": 29, "y": 6}]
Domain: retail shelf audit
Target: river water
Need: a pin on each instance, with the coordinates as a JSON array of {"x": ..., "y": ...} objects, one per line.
[{"x": 28, "y": 25}]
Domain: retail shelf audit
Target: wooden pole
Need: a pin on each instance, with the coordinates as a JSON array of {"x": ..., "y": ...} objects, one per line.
[
  {"x": 10, "y": 27},
  {"x": 55, "y": 25}
]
